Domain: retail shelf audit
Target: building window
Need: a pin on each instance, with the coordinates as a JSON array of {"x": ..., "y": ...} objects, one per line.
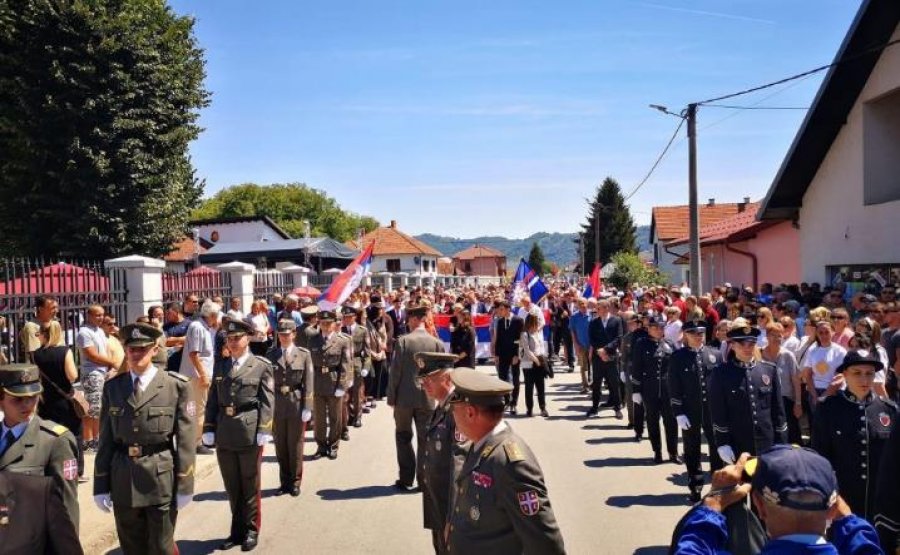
[
  {"x": 393, "y": 264},
  {"x": 426, "y": 265},
  {"x": 467, "y": 267},
  {"x": 881, "y": 149}
]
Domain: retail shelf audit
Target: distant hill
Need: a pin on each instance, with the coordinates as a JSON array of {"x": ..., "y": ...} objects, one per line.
[{"x": 558, "y": 247}]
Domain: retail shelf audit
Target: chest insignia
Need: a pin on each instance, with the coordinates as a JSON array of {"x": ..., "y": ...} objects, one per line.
[
  {"x": 438, "y": 445},
  {"x": 766, "y": 379},
  {"x": 4, "y": 515},
  {"x": 458, "y": 436},
  {"x": 885, "y": 419},
  {"x": 482, "y": 480},
  {"x": 474, "y": 513}
]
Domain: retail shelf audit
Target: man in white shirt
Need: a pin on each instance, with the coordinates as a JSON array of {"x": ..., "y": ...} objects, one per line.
[
  {"x": 198, "y": 358},
  {"x": 95, "y": 363}
]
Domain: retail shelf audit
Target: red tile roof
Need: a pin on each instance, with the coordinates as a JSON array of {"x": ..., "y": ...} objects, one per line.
[
  {"x": 478, "y": 251},
  {"x": 184, "y": 250},
  {"x": 671, "y": 222},
  {"x": 390, "y": 240},
  {"x": 740, "y": 225}
]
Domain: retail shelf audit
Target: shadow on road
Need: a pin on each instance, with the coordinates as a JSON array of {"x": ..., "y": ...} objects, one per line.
[
  {"x": 652, "y": 550},
  {"x": 365, "y": 492},
  {"x": 211, "y": 496},
  {"x": 678, "y": 479},
  {"x": 603, "y": 440},
  {"x": 602, "y": 426},
  {"x": 648, "y": 500},
  {"x": 615, "y": 462},
  {"x": 198, "y": 547}
]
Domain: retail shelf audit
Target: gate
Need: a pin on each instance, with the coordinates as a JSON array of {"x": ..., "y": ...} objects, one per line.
[
  {"x": 205, "y": 282},
  {"x": 268, "y": 282}
]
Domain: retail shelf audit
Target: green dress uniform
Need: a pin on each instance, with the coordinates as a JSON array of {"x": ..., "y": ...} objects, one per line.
[
  {"x": 410, "y": 403},
  {"x": 500, "y": 505},
  {"x": 443, "y": 457},
  {"x": 239, "y": 411},
  {"x": 334, "y": 373},
  {"x": 293, "y": 373},
  {"x": 33, "y": 518},
  {"x": 353, "y": 409},
  {"x": 147, "y": 450},
  {"x": 44, "y": 448}
]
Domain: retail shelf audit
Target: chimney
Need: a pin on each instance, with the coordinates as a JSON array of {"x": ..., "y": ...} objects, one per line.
[
  {"x": 712, "y": 202},
  {"x": 742, "y": 206},
  {"x": 393, "y": 224}
]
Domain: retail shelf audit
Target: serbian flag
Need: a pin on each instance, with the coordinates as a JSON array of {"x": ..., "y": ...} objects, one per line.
[
  {"x": 482, "y": 324},
  {"x": 347, "y": 281},
  {"x": 593, "y": 285},
  {"x": 528, "y": 280}
]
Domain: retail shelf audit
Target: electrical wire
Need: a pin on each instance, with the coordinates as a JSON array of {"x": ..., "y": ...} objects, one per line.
[
  {"x": 658, "y": 160},
  {"x": 733, "y": 107}
]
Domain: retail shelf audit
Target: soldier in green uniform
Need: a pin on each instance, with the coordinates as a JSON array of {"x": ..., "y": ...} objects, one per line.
[
  {"x": 356, "y": 395},
  {"x": 500, "y": 504},
  {"x": 33, "y": 518},
  {"x": 30, "y": 444},
  {"x": 309, "y": 326},
  {"x": 239, "y": 423},
  {"x": 410, "y": 404},
  {"x": 445, "y": 447},
  {"x": 333, "y": 377},
  {"x": 293, "y": 371},
  {"x": 144, "y": 470}
]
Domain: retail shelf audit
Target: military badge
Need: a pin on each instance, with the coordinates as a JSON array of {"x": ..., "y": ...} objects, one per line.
[
  {"x": 136, "y": 334},
  {"x": 712, "y": 358},
  {"x": 458, "y": 436},
  {"x": 529, "y": 502},
  {"x": 474, "y": 513},
  {"x": 482, "y": 480},
  {"x": 420, "y": 363},
  {"x": 70, "y": 469},
  {"x": 437, "y": 445},
  {"x": 190, "y": 409},
  {"x": 4, "y": 515},
  {"x": 885, "y": 419},
  {"x": 766, "y": 380}
]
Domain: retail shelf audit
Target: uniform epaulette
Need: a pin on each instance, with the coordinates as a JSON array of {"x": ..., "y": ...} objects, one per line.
[
  {"x": 53, "y": 428},
  {"x": 891, "y": 403},
  {"x": 262, "y": 359},
  {"x": 772, "y": 364},
  {"x": 302, "y": 349},
  {"x": 179, "y": 375},
  {"x": 342, "y": 334},
  {"x": 513, "y": 451}
]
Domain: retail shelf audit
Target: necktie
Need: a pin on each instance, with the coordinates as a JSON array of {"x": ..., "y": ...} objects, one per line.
[
  {"x": 136, "y": 388},
  {"x": 8, "y": 439}
]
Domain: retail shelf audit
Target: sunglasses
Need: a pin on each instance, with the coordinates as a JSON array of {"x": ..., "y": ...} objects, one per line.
[{"x": 839, "y": 317}]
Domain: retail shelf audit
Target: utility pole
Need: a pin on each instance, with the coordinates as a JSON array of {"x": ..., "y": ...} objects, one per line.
[{"x": 693, "y": 206}]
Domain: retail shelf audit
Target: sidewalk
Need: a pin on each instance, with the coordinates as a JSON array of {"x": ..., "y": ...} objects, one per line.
[{"x": 98, "y": 529}]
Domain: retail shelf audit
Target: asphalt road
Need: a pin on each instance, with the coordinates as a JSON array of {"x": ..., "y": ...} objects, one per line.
[{"x": 607, "y": 496}]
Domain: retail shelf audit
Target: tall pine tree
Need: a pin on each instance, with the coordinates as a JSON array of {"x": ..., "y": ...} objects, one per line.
[
  {"x": 536, "y": 258},
  {"x": 617, "y": 230}
]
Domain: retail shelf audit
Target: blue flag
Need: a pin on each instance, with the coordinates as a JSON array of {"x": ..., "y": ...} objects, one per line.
[{"x": 527, "y": 279}]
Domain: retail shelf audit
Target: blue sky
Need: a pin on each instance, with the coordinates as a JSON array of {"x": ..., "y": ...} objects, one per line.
[{"x": 469, "y": 118}]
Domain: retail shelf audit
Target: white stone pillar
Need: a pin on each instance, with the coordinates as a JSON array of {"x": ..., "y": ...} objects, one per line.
[
  {"x": 404, "y": 278},
  {"x": 299, "y": 275},
  {"x": 388, "y": 281},
  {"x": 419, "y": 280},
  {"x": 143, "y": 278},
  {"x": 242, "y": 282}
]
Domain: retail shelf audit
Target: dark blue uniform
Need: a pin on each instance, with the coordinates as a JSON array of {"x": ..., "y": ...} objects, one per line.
[
  {"x": 689, "y": 373},
  {"x": 649, "y": 378},
  {"x": 852, "y": 434},
  {"x": 745, "y": 405}
]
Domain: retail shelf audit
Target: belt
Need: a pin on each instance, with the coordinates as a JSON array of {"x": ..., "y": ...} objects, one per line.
[
  {"x": 135, "y": 451},
  {"x": 288, "y": 389},
  {"x": 231, "y": 410}
]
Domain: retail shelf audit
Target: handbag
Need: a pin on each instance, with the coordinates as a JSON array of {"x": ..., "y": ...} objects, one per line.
[
  {"x": 76, "y": 398},
  {"x": 543, "y": 362}
]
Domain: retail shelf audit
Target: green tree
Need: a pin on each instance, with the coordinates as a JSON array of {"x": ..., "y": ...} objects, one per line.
[
  {"x": 536, "y": 259},
  {"x": 98, "y": 103},
  {"x": 630, "y": 269},
  {"x": 288, "y": 204},
  {"x": 617, "y": 230}
]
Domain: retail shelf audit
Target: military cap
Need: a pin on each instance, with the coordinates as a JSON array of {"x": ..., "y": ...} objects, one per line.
[
  {"x": 795, "y": 477},
  {"x": 20, "y": 380},
  {"x": 694, "y": 326},
  {"x": 656, "y": 320},
  {"x": 376, "y": 301},
  {"x": 860, "y": 357},
  {"x": 327, "y": 315},
  {"x": 238, "y": 327},
  {"x": 139, "y": 335},
  {"x": 742, "y": 331},
  {"x": 417, "y": 311},
  {"x": 429, "y": 363},
  {"x": 477, "y": 388},
  {"x": 286, "y": 326},
  {"x": 349, "y": 310},
  {"x": 310, "y": 310}
]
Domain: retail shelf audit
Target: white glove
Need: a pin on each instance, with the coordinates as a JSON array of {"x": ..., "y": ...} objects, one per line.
[
  {"x": 339, "y": 392},
  {"x": 726, "y": 453},
  {"x": 364, "y": 372},
  {"x": 208, "y": 439},
  {"x": 306, "y": 415},
  {"x": 182, "y": 501},
  {"x": 103, "y": 502},
  {"x": 683, "y": 422},
  {"x": 622, "y": 376},
  {"x": 636, "y": 398},
  {"x": 262, "y": 439}
]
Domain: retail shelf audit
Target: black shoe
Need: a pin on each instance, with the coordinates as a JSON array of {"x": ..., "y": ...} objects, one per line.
[
  {"x": 251, "y": 541},
  {"x": 657, "y": 458},
  {"x": 512, "y": 411},
  {"x": 674, "y": 458},
  {"x": 695, "y": 495},
  {"x": 528, "y": 414},
  {"x": 607, "y": 405},
  {"x": 366, "y": 410},
  {"x": 630, "y": 426},
  {"x": 295, "y": 491},
  {"x": 544, "y": 413},
  {"x": 398, "y": 485},
  {"x": 591, "y": 412},
  {"x": 618, "y": 414},
  {"x": 204, "y": 450},
  {"x": 345, "y": 436},
  {"x": 332, "y": 454},
  {"x": 357, "y": 424},
  {"x": 638, "y": 438},
  {"x": 229, "y": 543},
  {"x": 281, "y": 491}
]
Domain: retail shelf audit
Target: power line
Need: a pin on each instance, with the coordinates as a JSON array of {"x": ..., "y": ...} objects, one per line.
[
  {"x": 658, "y": 160},
  {"x": 733, "y": 107}
]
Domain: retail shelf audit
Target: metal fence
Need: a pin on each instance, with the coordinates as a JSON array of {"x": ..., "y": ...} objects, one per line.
[
  {"x": 321, "y": 280},
  {"x": 204, "y": 282},
  {"x": 268, "y": 282},
  {"x": 73, "y": 284}
]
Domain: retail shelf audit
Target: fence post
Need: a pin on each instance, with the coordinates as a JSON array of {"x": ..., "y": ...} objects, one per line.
[
  {"x": 299, "y": 275},
  {"x": 143, "y": 278},
  {"x": 404, "y": 279},
  {"x": 242, "y": 282}
]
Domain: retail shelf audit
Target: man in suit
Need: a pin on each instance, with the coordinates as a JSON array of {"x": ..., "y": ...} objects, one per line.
[
  {"x": 30, "y": 444},
  {"x": 33, "y": 518},
  {"x": 605, "y": 331},
  {"x": 398, "y": 316},
  {"x": 505, "y": 348},
  {"x": 293, "y": 371},
  {"x": 144, "y": 470},
  {"x": 409, "y": 402},
  {"x": 239, "y": 423}
]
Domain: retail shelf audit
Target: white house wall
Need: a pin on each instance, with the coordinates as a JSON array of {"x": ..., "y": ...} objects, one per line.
[
  {"x": 239, "y": 232},
  {"x": 407, "y": 263}
]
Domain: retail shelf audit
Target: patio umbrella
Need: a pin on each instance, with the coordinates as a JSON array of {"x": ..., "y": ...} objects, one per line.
[{"x": 307, "y": 291}]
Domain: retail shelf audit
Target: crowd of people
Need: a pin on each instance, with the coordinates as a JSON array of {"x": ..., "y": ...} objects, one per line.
[{"x": 746, "y": 370}]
